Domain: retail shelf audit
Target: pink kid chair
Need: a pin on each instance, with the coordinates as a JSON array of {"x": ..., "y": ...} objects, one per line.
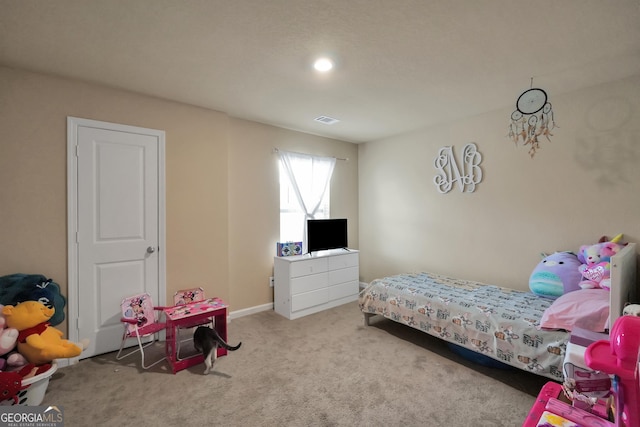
[{"x": 140, "y": 321}]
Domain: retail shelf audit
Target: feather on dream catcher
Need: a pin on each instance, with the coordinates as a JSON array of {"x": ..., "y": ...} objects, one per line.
[{"x": 532, "y": 119}]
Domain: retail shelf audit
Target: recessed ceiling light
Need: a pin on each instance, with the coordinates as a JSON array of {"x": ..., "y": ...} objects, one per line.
[{"x": 323, "y": 64}]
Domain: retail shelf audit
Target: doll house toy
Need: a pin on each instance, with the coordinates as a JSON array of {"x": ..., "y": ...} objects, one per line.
[
  {"x": 586, "y": 381},
  {"x": 618, "y": 357}
]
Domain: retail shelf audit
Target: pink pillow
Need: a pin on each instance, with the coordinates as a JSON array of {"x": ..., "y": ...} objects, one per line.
[{"x": 584, "y": 308}]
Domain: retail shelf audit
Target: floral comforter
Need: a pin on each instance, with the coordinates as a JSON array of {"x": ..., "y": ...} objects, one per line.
[{"x": 498, "y": 322}]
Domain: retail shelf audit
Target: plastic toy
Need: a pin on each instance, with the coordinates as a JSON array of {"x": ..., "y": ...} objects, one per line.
[
  {"x": 11, "y": 382},
  {"x": 619, "y": 357},
  {"x": 38, "y": 342}
]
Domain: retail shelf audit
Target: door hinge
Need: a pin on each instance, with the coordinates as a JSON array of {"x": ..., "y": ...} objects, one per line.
[{"x": 77, "y": 150}]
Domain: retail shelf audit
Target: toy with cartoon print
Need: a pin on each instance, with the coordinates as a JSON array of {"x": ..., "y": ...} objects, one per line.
[{"x": 288, "y": 248}]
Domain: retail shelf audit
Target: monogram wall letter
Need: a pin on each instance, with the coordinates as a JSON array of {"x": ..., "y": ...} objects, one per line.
[{"x": 449, "y": 173}]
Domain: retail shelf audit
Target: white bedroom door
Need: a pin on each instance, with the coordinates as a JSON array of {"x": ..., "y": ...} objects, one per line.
[{"x": 119, "y": 219}]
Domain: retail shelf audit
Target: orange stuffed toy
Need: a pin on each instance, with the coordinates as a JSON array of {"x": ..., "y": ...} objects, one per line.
[{"x": 38, "y": 342}]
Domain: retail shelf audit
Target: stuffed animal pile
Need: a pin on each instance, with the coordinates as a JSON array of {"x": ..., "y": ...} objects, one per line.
[
  {"x": 28, "y": 307},
  {"x": 563, "y": 272},
  {"x": 38, "y": 342}
]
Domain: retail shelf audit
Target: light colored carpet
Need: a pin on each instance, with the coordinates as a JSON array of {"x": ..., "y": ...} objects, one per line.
[{"x": 326, "y": 369}]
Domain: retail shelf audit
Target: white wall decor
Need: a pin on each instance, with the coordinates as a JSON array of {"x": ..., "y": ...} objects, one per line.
[{"x": 449, "y": 173}]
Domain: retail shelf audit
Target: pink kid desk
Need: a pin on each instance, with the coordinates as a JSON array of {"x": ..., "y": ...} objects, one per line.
[
  {"x": 619, "y": 357},
  {"x": 190, "y": 314}
]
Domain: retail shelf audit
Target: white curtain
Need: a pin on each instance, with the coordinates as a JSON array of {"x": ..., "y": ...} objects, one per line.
[{"x": 309, "y": 177}]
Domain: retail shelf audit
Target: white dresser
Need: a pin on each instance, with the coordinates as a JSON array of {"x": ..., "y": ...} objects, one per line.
[{"x": 306, "y": 284}]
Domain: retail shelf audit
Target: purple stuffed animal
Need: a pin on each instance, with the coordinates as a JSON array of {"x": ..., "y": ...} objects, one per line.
[{"x": 556, "y": 275}]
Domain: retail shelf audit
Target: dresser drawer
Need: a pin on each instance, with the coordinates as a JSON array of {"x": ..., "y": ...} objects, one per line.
[
  {"x": 309, "y": 299},
  {"x": 309, "y": 266},
  {"x": 343, "y": 290},
  {"x": 305, "y": 284},
  {"x": 343, "y": 275},
  {"x": 308, "y": 283},
  {"x": 343, "y": 261}
]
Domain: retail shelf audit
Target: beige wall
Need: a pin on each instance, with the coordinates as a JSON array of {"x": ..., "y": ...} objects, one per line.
[
  {"x": 254, "y": 199},
  {"x": 582, "y": 185},
  {"x": 221, "y": 183}
]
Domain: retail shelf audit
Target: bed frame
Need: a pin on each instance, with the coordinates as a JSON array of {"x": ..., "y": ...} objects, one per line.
[
  {"x": 495, "y": 322},
  {"x": 624, "y": 285}
]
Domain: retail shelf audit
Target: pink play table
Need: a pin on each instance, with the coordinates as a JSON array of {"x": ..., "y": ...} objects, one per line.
[{"x": 188, "y": 315}]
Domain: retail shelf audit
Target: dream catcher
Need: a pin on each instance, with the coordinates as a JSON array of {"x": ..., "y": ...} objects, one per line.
[{"x": 532, "y": 119}]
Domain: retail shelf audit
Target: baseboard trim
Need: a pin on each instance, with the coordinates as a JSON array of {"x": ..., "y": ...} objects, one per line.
[
  {"x": 63, "y": 363},
  {"x": 251, "y": 310}
]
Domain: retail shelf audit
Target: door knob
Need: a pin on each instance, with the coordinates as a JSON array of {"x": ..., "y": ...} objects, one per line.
[{"x": 151, "y": 249}]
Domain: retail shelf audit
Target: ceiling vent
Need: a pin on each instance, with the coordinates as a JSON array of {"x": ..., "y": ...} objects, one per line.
[{"x": 326, "y": 120}]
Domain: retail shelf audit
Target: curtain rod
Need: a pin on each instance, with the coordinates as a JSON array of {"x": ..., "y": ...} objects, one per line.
[{"x": 275, "y": 150}]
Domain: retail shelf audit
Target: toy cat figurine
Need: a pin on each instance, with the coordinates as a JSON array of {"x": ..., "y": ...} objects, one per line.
[{"x": 207, "y": 341}]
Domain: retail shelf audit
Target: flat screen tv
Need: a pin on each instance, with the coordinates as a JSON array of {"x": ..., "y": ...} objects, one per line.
[{"x": 323, "y": 234}]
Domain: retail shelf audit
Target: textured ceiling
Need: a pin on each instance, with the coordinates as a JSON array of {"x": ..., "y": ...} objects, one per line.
[{"x": 401, "y": 64}]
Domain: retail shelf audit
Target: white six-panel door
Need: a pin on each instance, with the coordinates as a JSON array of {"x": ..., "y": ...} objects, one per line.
[{"x": 119, "y": 227}]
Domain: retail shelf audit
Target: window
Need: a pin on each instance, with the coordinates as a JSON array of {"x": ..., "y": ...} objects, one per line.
[
  {"x": 292, "y": 217},
  {"x": 304, "y": 192}
]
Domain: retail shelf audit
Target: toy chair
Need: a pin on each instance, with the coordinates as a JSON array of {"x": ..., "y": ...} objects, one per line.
[
  {"x": 183, "y": 297},
  {"x": 140, "y": 321}
]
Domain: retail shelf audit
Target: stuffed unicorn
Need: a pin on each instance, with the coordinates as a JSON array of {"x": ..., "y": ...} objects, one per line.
[{"x": 596, "y": 263}]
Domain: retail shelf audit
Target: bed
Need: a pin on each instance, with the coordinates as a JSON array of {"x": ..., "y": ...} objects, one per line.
[{"x": 495, "y": 322}]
